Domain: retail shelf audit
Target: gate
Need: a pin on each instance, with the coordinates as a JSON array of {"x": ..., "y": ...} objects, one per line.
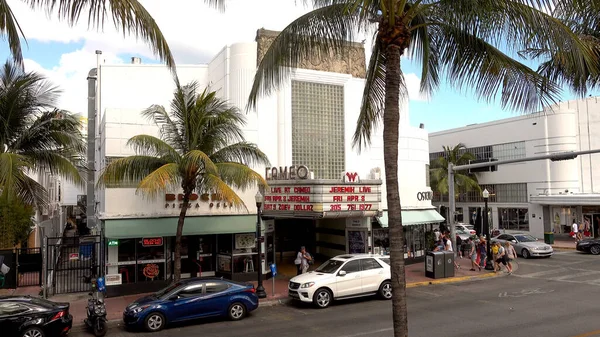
[
  {"x": 72, "y": 262},
  {"x": 20, "y": 267}
]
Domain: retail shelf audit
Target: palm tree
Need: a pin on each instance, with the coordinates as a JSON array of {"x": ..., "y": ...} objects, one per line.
[
  {"x": 130, "y": 16},
  {"x": 35, "y": 135},
  {"x": 201, "y": 148},
  {"x": 457, "y": 38},
  {"x": 463, "y": 181}
]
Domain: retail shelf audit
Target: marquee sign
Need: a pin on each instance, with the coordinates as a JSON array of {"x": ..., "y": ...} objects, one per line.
[{"x": 323, "y": 198}]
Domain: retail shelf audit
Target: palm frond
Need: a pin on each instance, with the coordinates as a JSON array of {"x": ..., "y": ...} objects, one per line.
[
  {"x": 56, "y": 164},
  {"x": 146, "y": 145},
  {"x": 9, "y": 26},
  {"x": 213, "y": 183},
  {"x": 128, "y": 16},
  {"x": 195, "y": 164},
  {"x": 160, "y": 180},
  {"x": 14, "y": 181},
  {"x": 471, "y": 61},
  {"x": 242, "y": 152},
  {"x": 422, "y": 50},
  {"x": 129, "y": 169},
  {"x": 239, "y": 176},
  {"x": 170, "y": 130},
  {"x": 319, "y": 33}
]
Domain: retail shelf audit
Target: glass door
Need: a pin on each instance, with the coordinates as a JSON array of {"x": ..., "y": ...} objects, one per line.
[{"x": 356, "y": 241}]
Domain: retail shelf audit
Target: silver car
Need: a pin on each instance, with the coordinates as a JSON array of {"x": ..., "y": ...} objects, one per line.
[{"x": 525, "y": 244}]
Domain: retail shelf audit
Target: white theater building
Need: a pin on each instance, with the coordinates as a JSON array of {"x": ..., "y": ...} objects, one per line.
[
  {"x": 538, "y": 196},
  {"x": 309, "y": 121}
]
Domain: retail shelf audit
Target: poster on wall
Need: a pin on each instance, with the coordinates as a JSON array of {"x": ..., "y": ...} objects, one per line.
[
  {"x": 151, "y": 271},
  {"x": 224, "y": 263},
  {"x": 113, "y": 279},
  {"x": 245, "y": 241},
  {"x": 357, "y": 242}
]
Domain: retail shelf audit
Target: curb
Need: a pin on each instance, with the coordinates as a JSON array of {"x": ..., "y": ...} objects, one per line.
[
  {"x": 451, "y": 280},
  {"x": 564, "y": 248}
]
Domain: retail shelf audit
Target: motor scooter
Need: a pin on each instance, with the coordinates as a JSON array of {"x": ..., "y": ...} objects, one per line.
[{"x": 96, "y": 310}]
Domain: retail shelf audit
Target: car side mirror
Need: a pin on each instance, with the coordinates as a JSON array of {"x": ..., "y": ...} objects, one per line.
[
  {"x": 173, "y": 297},
  {"x": 342, "y": 273}
]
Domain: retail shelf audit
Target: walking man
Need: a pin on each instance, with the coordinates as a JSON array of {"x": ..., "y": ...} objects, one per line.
[
  {"x": 302, "y": 260},
  {"x": 473, "y": 254}
]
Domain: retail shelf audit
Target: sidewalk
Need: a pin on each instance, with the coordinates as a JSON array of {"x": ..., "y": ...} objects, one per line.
[
  {"x": 564, "y": 242},
  {"x": 415, "y": 277}
]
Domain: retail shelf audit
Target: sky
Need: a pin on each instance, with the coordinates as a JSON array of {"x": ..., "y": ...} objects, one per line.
[{"x": 195, "y": 33}]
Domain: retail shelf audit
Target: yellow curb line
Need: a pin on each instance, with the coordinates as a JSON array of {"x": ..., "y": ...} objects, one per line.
[{"x": 451, "y": 280}]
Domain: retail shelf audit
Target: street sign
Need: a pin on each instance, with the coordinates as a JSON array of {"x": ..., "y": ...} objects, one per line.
[
  {"x": 113, "y": 243},
  {"x": 273, "y": 269}
]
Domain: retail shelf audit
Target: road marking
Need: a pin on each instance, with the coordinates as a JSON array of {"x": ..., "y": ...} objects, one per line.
[
  {"x": 525, "y": 292},
  {"x": 374, "y": 332},
  {"x": 545, "y": 272},
  {"x": 428, "y": 293},
  {"x": 570, "y": 276}
]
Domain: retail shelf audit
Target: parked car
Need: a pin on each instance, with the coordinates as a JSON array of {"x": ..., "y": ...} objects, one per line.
[
  {"x": 26, "y": 316},
  {"x": 192, "y": 299},
  {"x": 589, "y": 246},
  {"x": 466, "y": 228},
  {"x": 526, "y": 245},
  {"x": 344, "y": 276},
  {"x": 464, "y": 235}
]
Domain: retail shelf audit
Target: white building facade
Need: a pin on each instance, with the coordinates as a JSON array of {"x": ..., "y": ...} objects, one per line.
[
  {"x": 309, "y": 121},
  {"x": 538, "y": 196}
]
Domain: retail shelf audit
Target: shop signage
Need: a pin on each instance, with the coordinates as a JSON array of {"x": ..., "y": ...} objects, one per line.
[
  {"x": 152, "y": 242},
  {"x": 113, "y": 279},
  {"x": 151, "y": 271},
  {"x": 213, "y": 200},
  {"x": 422, "y": 196},
  {"x": 73, "y": 256},
  {"x": 293, "y": 172},
  {"x": 112, "y": 243},
  {"x": 351, "y": 177}
]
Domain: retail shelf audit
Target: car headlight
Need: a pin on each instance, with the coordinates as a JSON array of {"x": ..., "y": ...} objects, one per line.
[
  {"x": 140, "y": 309},
  {"x": 307, "y": 285}
]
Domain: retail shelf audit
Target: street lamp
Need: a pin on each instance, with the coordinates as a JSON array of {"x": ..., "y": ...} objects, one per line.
[
  {"x": 260, "y": 290},
  {"x": 489, "y": 264}
]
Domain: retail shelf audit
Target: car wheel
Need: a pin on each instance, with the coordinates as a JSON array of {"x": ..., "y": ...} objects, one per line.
[
  {"x": 385, "y": 290},
  {"x": 525, "y": 254},
  {"x": 236, "y": 311},
  {"x": 155, "y": 321},
  {"x": 33, "y": 332},
  {"x": 322, "y": 298},
  {"x": 595, "y": 249}
]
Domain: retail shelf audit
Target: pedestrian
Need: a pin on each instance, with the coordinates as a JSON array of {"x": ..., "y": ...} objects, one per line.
[
  {"x": 501, "y": 258},
  {"x": 575, "y": 230},
  {"x": 511, "y": 254},
  {"x": 482, "y": 253},
  {"x": 437, "y": 234},
  {"x": 448, "y": 248},
  {"x": 303, "y": 259},
  {"x": 459, "y": 246},
  {"x": 473, "y": 254},
  {"x": 495, "y": 255}
]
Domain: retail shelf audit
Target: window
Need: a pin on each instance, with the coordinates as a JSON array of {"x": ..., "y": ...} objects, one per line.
[
  {"x": 427, "y": 177},
  {"x": 386, "y": 260},
  {"x": 11, "y": 308},
  {"x": 513, "y": 218},
  {"x": 368, "y": 264},
  {"x": 504, "y": 237},
  {"x": 330, "y": 266},
  {"x": 515, "y": 150},
  {"x": 191, "y": 291},
  {"x": 351, "y": 267},
  {"x": 213, "y": 288},
  {"x": 318, "y": 128}
]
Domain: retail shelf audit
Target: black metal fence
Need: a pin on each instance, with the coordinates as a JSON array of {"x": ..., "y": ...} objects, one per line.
[
  {"x": 20, "y": 267},
  {"x": 72, "y": 261}
]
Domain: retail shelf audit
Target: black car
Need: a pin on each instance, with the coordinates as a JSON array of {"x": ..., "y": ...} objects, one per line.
[
  {"x": 25, "y": 316},
  {"x": 589, "y": 246}
]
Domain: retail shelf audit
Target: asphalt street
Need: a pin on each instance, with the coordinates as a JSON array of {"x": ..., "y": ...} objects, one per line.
[{"x": 558, "y": 296}]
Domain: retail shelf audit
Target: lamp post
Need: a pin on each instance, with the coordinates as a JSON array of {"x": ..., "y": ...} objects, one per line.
[
  {"x": 260, "y": 290},
  {"x": 486, "y": 230}
]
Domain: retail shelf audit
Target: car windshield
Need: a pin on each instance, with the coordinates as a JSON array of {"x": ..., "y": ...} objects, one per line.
[
  {"x": 461, "y": 231},
  {"x": 525, "y": 238},
  {"x": 166, "y": 290},
  {"x": 330, "y": 266}
]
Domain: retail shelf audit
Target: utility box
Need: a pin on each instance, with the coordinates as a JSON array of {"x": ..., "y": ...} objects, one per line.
[
  {"x": 434, "y": 265},
  {"x": 448, "y": 264}
]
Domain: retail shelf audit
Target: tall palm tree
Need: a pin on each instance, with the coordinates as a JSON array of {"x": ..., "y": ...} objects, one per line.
[
  {"x": 463, "y": 181},
  {"x": 129, "y": 16},
  {"x": 460, "y": 39},
  {"x": 34, "y": 136},
  {"x": 201, "y": 148}
]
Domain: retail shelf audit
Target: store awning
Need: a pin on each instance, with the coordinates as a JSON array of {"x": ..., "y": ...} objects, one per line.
[
  {"x": 195, "y": 225},
  {"x": 414, "y": 217}
]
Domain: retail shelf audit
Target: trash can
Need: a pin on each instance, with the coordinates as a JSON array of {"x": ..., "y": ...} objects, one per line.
[
  {"x": 448, "y": 264},
  {"x": 434, "y": 265},
  {"x": 549, "y": 238}
]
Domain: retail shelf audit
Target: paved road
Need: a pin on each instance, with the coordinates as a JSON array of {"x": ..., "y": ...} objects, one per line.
[{"x": 558, "y": 297}]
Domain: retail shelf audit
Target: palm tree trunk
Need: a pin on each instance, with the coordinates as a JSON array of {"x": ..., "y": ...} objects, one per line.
[
  {"x": 180, "y": 221},
  {"x": 391, "y": 121}
]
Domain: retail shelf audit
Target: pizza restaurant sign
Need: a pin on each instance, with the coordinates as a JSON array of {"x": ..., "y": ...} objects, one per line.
[
  {"x": 349, "y": 196},
  {"x": 213, "y": 200}
]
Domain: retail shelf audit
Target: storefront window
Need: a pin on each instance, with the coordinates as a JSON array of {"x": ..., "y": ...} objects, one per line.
[
  {"x": 126, "y": 250},
  {"x": 224, "y": 243},
  {"x": 150, "y": 259},
  {"x": 513, "y": 218}
]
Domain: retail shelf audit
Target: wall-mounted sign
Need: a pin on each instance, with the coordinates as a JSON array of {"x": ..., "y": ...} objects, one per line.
[
  {"x": 214, "y": 200},
  {"x": 112, "y": 243},
  {"x": 351, "y": 177},
  {"x": 151, "y": 271},
  {"x": 113, "y": 279},
  {"x": 152, "y": 242},
  {"x": 293, "y": 172},
  {"x": 422, "y": 196},
  {"x": 73, "y": 256}
]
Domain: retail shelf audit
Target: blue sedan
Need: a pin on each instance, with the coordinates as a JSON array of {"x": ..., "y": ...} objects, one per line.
[{"x": 192, "y": 299}]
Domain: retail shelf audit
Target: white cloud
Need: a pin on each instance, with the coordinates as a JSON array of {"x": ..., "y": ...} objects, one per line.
[{"x": 194, "y": 31}]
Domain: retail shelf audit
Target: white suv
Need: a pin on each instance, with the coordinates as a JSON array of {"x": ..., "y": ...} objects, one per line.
[{"x": 344, "y": 276}]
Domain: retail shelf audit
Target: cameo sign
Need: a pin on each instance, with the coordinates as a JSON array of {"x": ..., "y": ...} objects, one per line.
[{"x": 422, "y": 196}]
